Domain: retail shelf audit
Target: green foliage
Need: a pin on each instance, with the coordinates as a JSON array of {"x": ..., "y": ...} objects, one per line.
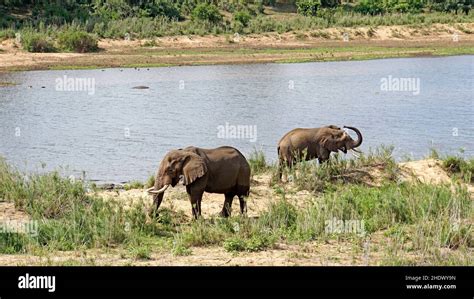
[
  {"x": 148, "y": 19},
  {"x": 141, "y": 252},
  {"x": 77, "y": 41},
  {"x": 7, "y": 33},
  {"x": 257, "y": 162},
  {"x": 414, "y": 216},
  {"x": 243, "y": 17},
  {"x": 460, "y": 167},
  {"x": 165, "y": 8},
  {"x": 11, "y": 243},
  {"x": 150, "y": 182},
  {"x": 207, "y": 12},
  {"x": 308, "y": 7},
  {"x": 253, "y": 244},
  {"x": 37, "y": 42},
  {"x": 372, "y": 7},
  {"x": 310, "y": 176},
  {"x": 69, "y": 218},
  {"x": 133, "y": 185}
]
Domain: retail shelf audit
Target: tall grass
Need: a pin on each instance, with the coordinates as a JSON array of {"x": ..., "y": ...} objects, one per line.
[
  {"x": 68, "y": 218},
  {"x": 415, "y": 217},
  {"x": 149, "y": 27},
  {"x": 258, "y": 163},
  {"x": 425, "y": 210},
  {"x": 459, "y": 167},
  {"x": 308, "y": 175}
]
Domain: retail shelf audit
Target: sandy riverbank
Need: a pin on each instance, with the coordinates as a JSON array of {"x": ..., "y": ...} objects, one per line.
[{"x": 319, "y": 45}]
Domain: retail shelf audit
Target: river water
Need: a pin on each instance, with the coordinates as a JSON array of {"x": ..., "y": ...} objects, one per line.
[{"x": 116, "y": 133}]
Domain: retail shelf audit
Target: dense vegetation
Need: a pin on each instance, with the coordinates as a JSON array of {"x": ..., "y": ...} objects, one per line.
[
  {"x": 87, "y": 20},
  {"x": 417, "y": 219}
]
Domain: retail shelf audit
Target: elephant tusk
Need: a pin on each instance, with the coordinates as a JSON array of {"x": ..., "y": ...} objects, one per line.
[
  {"x": 357, "y": 151},
  {"x": 149, "y": 189},
  {"x": 158, "y": 191}
]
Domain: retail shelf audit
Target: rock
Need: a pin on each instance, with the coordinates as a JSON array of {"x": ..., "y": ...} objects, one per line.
[{"x": 140, "y": 87}]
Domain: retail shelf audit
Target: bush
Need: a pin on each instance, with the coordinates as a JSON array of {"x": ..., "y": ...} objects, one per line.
[
  {"x": 207, "y": 12},
  {"x": 371, "y": 7},
  {"x": 7, "y": 33},
  {"x": 163, "y": 8},
  {"x": 458, "y": 166},
  {"x": 37, "y": 42},
  {"x": 78, "y": 41},
  {"x": 243, "y": 17},
  {"x": 308, "y": 7}
]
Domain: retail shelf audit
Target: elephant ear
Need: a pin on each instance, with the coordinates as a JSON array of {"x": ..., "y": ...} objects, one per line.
[
  {"x": 329, "y": 141},
  {"x": 194, "y": 168}
]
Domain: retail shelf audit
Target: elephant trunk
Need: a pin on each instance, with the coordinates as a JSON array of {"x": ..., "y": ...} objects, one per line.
[
  {"x": 158, "y": 191},
  {"x": 157, "y": 199},
  {"x": 357, "y": 142}
]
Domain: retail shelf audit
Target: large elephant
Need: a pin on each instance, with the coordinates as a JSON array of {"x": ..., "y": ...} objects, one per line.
[
  {"x": 221, "y": 170},
  {"x": 315, "y": 143}
]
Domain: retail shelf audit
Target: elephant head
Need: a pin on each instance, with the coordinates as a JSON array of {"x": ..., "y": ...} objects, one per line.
[
  {"x": 175, "y": 165},
  {"x": 338, "y": 140}
]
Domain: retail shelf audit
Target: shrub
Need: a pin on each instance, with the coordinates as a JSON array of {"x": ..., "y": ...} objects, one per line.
[
  {"x": 371, "y": 7},
  {"x": 308, "y": 7},
  {"x": 163, "y": 8},
  {"x": 459, "y": 166},
  {"x": 243, "y": 17},
  {"x": 37, "y": 42},
  {"x": 7, "y": 33},
  {"x": 77, "y": 41},
  {"x": 207, "y": 12}
]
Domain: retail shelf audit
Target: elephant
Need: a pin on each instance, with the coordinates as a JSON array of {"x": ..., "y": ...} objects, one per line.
[
  {"x": 222, "y": 170},
  {"x": 312, "y": 143}
]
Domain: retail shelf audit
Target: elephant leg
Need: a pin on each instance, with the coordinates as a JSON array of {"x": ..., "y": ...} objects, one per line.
[
  {"x": 280, "y": 168},
  {"x": 323, "y": 156},
  {"x": 226, "y": 209},
  {"x": 243, "y": 204},
  {"x": 196, "y": 204}
]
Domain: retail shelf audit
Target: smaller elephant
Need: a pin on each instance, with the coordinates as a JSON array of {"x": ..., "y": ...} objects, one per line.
[
  {"x": 315, "y": 143},
  {"x": 222, "y": 170}
]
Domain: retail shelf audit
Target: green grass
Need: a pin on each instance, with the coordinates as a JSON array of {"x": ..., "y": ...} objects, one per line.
[
  {"x": 69, "y": 218},
  {"x": 141, "y": 252},
  {"x": 257, "y": 162},
  {"x": 240, "y": 21},
  {"x": 308, "y": 175},
  {"x": 417, "y": 219},
  {"x": 460, "y": 167},
  {"x": 134, "y": 185}
]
